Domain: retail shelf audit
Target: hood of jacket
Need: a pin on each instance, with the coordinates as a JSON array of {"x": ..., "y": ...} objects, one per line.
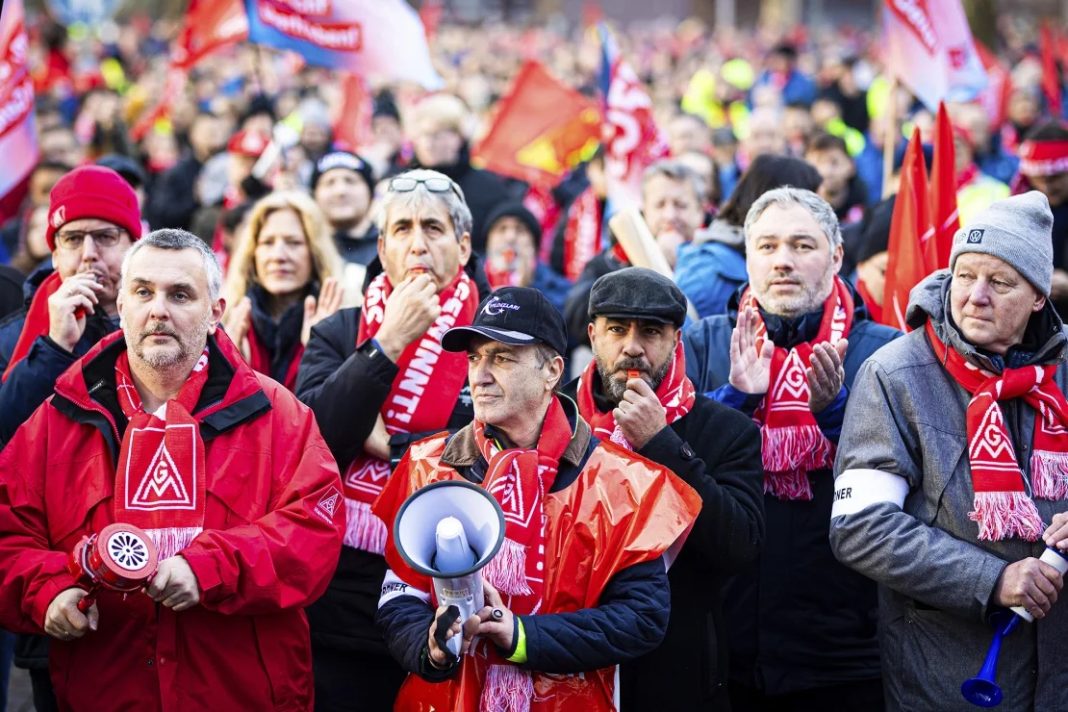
[{"x": 721, "y": 231}]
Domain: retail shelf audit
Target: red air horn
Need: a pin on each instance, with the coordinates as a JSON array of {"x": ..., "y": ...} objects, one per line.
[
  {"x": 120, "y": 557},
  {"x": 982, "y": 690}
]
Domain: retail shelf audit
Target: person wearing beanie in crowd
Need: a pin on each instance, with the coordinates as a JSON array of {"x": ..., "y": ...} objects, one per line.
[
  {"x": 580, "y": 584},
  {"x": 93, "y": 219},
  {"x": 801, "y": 626},
  {"x": 343, "y": 185},
  {"x": 950, "y": 471},
  {"x": 635, "y": 393},
  {"x": 1044, "y": 167},
  {"x": 513, "y": 238}
]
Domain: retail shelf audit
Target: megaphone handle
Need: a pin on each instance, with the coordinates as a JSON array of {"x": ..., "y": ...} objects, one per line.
[{"x": 85, "y": 603}]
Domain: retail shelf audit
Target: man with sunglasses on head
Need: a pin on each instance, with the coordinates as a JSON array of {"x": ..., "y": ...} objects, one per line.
[
  {"x": 377, "y": 379},
  {"x": 93, "y": 219}
]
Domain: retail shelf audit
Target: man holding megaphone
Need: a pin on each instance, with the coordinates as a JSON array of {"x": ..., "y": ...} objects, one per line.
[{"x": 578, "y": 584}]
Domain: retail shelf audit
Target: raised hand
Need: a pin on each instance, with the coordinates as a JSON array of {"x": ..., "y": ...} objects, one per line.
[
  {"x": 411, "y": 309},
  {"x": 825, "y": 374},
  {"x": 68, "y": 307},
  {"x": 237, "y": 322},
  {"x": 750, "y": 369},
  {"x": 315, "y": 310}
]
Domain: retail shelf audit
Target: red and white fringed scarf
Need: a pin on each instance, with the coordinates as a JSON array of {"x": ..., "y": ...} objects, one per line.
[
  {"x": 520, "y": 480},
  {"x": 422, "y": 397},
  {"x": 676, "y": 394},
  {"x": 792, "y": 444},
  {"x": 36, "y": 323},
  {"x": 582, "y": 234},
  {"x": 1043, "y": 158},
  {"x": 1002, "y": 507},
  {"x": 160, "y": 479}
]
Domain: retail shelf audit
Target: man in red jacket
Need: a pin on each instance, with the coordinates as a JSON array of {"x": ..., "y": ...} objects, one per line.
[{"x": 163, "y": 426}]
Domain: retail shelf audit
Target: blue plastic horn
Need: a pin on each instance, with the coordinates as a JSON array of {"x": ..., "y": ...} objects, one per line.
[{"x": 981, "y": 690}]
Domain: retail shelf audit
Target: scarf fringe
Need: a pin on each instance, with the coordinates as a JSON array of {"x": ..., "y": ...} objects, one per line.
[
  {"x": 1049, "y": 474},
  {"x": 795, "y": 447},
  {"x": 170, "y": 541},
  {"x": 507, "y": 689},
  {"x": 792, "y": 485},
  {"x": 1002, "y": 515},
  {"x": 363, "y": 530},
  {"x": 507, "y": 571}
]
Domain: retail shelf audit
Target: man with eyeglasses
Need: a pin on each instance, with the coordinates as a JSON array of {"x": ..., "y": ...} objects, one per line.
[
  {"x": 93, "y": 218},
  {"x": 378, "y": 379}
]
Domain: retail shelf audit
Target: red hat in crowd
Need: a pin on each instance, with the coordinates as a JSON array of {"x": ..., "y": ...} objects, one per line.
[
  {"x": 247, "y": 143},
  {"x": 93, "y": 192}
]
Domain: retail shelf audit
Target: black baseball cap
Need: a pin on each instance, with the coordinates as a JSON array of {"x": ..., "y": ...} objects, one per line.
[
  {"x": 519, "y": 316},
  {"x": 347, "y": 160},
  {"x": 638, "y": 293}
]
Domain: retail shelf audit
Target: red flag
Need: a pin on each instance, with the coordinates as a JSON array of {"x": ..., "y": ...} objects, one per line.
[
  {"x": 542, "y": 129},
  {"x": 209, "y": 25},
  {"x": 911, "y": 219},
  {"x": 430, "y": 13},
  {"x": 18, "y": 139},
  {"x": 1051, "y": 78},
  {"x": 353, "y": 126},
  {"x": 172, "y": 87},
  {"x": 944, "y": 217},
  {"x": 995, "y": 98}
]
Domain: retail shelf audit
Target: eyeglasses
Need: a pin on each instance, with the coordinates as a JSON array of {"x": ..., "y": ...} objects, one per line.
[
  {"x": 104, "y": 237},
  {"x": 406, "y": 184}
]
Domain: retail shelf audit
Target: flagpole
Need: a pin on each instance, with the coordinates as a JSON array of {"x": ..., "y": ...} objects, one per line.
[{"x": 890, "y": 138}]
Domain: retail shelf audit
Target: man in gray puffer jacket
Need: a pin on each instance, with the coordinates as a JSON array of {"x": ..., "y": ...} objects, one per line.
[{"x": 951, "y": 464}]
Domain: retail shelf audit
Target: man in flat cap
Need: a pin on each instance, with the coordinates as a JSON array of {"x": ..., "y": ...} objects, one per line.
[
  {"x": 580, "y": 584},
  {"x": 636, "y": 393}
]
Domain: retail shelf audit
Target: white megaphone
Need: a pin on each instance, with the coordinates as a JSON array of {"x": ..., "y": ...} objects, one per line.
[{"x": 448, "y": 531}]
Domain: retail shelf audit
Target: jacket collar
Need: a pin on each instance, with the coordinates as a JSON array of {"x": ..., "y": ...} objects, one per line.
[{"x": 462, "y": 451}]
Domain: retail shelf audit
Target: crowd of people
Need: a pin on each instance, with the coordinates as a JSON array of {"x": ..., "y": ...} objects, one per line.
[{"x": 726, "y": 484}]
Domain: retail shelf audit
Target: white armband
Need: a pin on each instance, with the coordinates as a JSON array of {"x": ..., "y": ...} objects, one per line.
[
  {"x": 855, "y": 490},
  {"x": 393, "y": 586}
]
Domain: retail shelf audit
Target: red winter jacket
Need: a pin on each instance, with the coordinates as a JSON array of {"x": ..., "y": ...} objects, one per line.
[{"x": 270, "y": 544}]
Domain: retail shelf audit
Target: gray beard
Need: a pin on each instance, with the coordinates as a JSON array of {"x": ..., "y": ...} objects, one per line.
[{"x": 614, "y": 389}]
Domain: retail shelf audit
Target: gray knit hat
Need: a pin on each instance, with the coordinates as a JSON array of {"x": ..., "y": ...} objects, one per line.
[{"x": 1018, "y": 230}]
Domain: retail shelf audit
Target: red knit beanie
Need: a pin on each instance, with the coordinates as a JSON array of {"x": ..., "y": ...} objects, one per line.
[{"x": 93, "y": 192}]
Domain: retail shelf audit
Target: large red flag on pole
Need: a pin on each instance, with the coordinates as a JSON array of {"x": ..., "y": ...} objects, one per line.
[
  {"x": 944, "y": 217},
  {"x": 542, "y": 129},
  {"x": 18, "y": 139},
  {"x": 352, "y": 129},
  {"x": 209, "y": 25},
  {"x": 910, "y": 221}
]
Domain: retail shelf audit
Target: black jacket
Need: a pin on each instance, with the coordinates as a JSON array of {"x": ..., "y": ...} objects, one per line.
[
  {"x": 797, "y": 619},
  {"x": 174, "y": 197},
  {"x": 629, "y": 619},
  {"x": 346, "y": 388},
  {"x": 280, "y": 338},
  {"x": 716, "y": 450}
]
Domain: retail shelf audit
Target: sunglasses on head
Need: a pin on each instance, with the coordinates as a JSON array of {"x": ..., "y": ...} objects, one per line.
[{"x": 406, "y": 184}]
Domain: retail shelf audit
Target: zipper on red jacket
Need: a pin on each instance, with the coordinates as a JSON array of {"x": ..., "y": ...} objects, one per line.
[{"x": 91, "y": 405}]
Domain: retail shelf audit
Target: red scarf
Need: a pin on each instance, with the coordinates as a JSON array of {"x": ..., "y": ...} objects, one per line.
[
  {"x": 1002, "y": 507},
  {"x": 503, "y": 270},
  {"x": 37, "y": 321},
  {"x": 422, "y": 397},
  {"x": 160, "y": 479},
  {"x": 874, "y": 308},
  {"x": 792, "y": 443},
  {"x": 582, "y": 234},
  {"x": 260, "y": 359},
  {"x": 676, "y": 393},
  {"x": 520, "y": 480}
]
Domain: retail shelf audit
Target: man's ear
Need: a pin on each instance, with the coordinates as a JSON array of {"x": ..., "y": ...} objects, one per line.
[
  {"x": 218, "y": 308},
  {"x": 465, "y": 248}
]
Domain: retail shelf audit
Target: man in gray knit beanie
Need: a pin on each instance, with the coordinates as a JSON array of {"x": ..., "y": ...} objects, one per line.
[
  {"x": 1018, "y": 230},
  {"x": 950, "y": 473}
]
